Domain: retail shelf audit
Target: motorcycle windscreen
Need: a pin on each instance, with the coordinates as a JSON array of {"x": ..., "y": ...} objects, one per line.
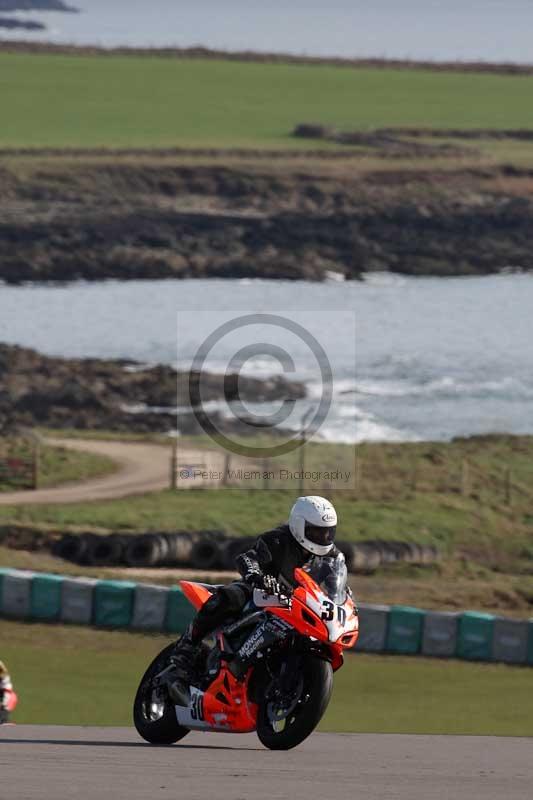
[{"x": 331, "y": 574}]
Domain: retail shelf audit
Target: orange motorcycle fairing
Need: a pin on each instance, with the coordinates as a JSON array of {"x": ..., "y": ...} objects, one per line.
[
  {"x": 305, "y": 580},
  {"x": 196, "y": 593},
  {"x": 301, "y": 617},
  {"x": 10, "y": 700},
  {"x": 226, "y": 704}
]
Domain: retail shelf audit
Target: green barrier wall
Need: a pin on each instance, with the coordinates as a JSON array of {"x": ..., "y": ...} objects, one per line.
[
  {"x": 530, "y": 644},
  {"x": 113, "y": 603},
  {"x": 46, "y": 596},
  {"x": 3, "y": 571},
  {"x": 474, "y": 640},
  {"x": 179, "y": 611},
  {"x": 405, "y": 629},
  {"x": 41, "y": 596}
]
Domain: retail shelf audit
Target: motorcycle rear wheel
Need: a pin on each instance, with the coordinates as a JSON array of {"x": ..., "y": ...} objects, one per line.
[
  {"x": 301, "y": 722},
  {"x": 161, "y": 727}
]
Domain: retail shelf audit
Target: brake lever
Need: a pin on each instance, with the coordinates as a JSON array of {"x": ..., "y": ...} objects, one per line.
[{"x": 283, "y": 601}]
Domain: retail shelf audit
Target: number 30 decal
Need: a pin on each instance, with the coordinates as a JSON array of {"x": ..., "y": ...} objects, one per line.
[{"x": 328, "y": 612}]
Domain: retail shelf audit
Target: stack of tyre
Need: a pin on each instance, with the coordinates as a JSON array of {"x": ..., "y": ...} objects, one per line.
[
  {"x": 212, "y": 550},
  {"x": 366, "y": 556}
]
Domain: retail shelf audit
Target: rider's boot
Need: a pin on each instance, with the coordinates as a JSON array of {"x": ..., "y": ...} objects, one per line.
[{"x": 181, "y": 674}]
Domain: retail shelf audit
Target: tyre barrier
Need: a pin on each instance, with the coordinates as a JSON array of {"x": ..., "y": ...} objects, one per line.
[
  {"x": 206, "y": 553},
  {"x": 232, "y": 548},
  {"x": 214, "y": 550},
  {"x": 73, "y": 547},
  {"x": 139, "y": 550},
  {"x": 103, "y": 551},
  {"x": 405, "y": 630},
  {"x": 147, "y": 550}
]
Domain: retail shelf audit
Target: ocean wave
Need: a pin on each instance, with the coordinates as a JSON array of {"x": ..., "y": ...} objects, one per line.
[
  {"x": 384, "y": 279},
  {"x": 447, "y": 386},
  {"x": 365, "y": 429}
]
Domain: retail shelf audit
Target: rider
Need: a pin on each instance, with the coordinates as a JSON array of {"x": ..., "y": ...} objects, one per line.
[
  {"x": 269, "y": 564},
  {"x": 5, "y": 686}
]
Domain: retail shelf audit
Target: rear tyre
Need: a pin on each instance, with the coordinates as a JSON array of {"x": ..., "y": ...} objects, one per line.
[
  {"x": 154, "y": 714},
  {"x": 302, "y": 720}
]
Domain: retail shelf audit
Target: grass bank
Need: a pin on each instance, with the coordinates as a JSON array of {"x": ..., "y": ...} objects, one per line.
[
  {"x": 70, "y": 675},
  {"x": 481, "y": 519},
  {"x": 129, "y": 101},
  {"x": 470, "y": 496},
  {"x": 57, "y": 465}
]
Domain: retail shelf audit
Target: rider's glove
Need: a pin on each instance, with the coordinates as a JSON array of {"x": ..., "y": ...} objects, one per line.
[
  {"x": 271, "y": 585},
  {"x": 255, "y": 579}
]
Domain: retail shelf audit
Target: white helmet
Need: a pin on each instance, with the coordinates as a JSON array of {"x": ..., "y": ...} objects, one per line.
[{"x": 313, "y": 522}]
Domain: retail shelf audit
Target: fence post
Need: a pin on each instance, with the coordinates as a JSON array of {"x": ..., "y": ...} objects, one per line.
[
  {"x": 174, "y": 465},
  {"x": 358, "y": 475},
  {"x": 414, "y": 475},
  {"x": 301, "y": 482},
  {"x": 508, "y": 487},
  {"x": 36, "y": 463},
  {"x": 266, "y": 473},
  {"x": 465, "y": 478},
  {"x": 227, "y": 467}
]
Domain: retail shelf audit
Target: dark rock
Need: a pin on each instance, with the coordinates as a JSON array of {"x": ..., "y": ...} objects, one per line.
[
  {"x": 97, "y": 393},
  {"x": 20, "y": 24},
  {"x": 34, "y": 5},
  {"x": 62, "y": 224}
]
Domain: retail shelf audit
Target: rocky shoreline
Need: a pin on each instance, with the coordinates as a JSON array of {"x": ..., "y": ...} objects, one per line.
[
  {"x": 116, "y": 395},
  {"x": 95, "y": 217},
  {"x": 35, "y": 5},
  {"x": 14, "y": 23},
  {"x": 18, "y": 24}
]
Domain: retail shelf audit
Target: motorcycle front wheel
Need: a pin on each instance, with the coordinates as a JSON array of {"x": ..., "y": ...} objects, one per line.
[
  {"x": 154, "y": 714},
  {"x": 280, "y": 728}
]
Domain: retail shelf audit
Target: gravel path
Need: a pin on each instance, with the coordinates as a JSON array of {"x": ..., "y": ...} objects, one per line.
[{"x": 141, "y": 468}]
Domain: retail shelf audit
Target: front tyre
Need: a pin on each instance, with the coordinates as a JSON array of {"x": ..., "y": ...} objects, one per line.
[
  {"x": 154, "y": 714},
  {"x": 305, "y": 710}
]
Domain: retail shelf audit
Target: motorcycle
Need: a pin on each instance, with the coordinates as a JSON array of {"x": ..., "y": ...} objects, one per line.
[
  {"x": 8, "y": 702},
  {"x": 269, "y": 671}
]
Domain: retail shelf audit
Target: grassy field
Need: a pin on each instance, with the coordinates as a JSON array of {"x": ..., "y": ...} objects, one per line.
[
  {"x": 91, "y": 101},
  {"x": 58, "y": 465},
  {"x": 407, "y": 491},
  {"x": 70, "y": 675}
]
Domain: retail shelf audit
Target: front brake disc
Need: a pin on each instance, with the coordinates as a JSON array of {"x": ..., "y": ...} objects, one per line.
[{"x": 278, "y": 711}]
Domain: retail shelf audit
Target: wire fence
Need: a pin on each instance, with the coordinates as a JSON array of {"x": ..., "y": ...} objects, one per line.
[{"x": 375, "y": 475}]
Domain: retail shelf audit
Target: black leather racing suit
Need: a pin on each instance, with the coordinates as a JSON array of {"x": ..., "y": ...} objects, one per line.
[{"x": 276, "y": 553}]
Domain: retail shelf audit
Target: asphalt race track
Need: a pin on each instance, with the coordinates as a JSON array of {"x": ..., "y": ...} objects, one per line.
[{"x": 61, "y": 763}]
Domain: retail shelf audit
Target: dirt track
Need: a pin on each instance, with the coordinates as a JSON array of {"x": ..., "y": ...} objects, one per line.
[
  {"x": 63, "y": 762},
  {"x": 141, "y": 468}
]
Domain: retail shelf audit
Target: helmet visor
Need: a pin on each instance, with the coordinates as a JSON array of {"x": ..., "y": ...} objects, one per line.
[{"x": 320, "y": 535}]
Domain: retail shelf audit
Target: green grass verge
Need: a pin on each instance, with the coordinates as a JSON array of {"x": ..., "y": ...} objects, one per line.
[
  {"x": 408, "y": 491},
  {"x": 131, "y": 101},
  {"x": 59, "y": 465},
  {"x": 78, "y": 676}
]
